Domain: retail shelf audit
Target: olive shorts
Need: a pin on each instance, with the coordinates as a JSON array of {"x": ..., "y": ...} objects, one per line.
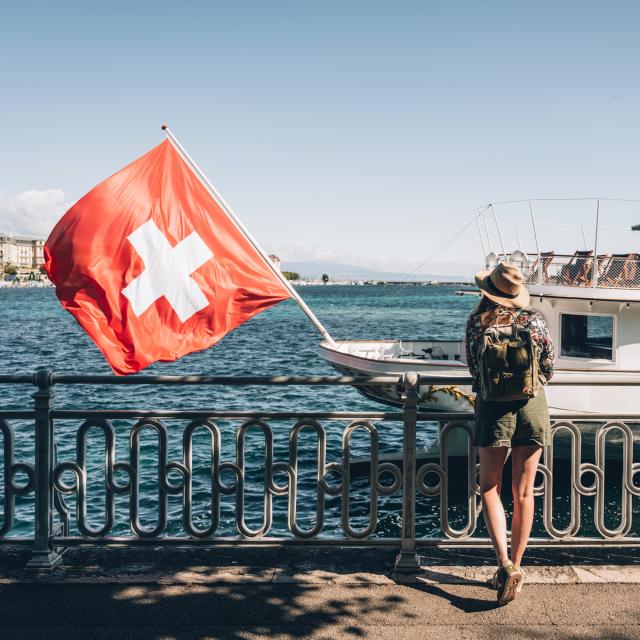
[{"x": 513, "y": 423}]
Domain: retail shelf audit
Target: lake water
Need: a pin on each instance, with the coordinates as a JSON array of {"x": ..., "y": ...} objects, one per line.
[{"x": 281, "y": 340}]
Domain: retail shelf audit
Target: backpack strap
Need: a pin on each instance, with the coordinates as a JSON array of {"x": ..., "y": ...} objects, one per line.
[{"x": 514, "y": 316}]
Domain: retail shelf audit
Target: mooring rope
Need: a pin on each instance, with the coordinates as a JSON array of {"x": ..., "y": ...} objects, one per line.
[{"x": 432, "y": 257}]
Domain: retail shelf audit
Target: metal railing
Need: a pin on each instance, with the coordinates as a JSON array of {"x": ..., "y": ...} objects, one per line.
[
  {"x": 414, "y": 484},
  {"x": 583, "y": 270}
]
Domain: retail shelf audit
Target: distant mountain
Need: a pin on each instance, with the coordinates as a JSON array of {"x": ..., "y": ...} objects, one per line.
[{"x": 338, "y": 271}]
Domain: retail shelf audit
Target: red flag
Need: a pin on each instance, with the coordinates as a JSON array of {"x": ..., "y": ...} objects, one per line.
[{"x": 152, "y": 267}]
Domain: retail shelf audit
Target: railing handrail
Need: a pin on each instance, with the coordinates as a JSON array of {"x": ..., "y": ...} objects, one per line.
[
  {"x": 108, "y": 379},
  {"x": 613, "y": 256},
  {"x": 422, "y": 416},
  {"x": 567, "y": 378}
]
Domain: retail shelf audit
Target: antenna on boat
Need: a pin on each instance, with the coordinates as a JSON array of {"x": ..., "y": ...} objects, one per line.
[
  {"x": 584, "y": 237},
  {"x": 236, "y": 221},
  {"x": 486, "y": 229},
  {"x": 495, "y": 220},
  {"x": 515, "y": 222},
  {"x": 484, "y": 249},
  {"x": 535, "y": 237}
]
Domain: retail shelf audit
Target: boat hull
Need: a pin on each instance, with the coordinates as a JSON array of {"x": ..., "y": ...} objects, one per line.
[{"x": 377, "y": 358}]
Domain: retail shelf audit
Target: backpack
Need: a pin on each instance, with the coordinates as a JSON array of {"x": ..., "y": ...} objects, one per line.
[{"x": 508, "y": 362}]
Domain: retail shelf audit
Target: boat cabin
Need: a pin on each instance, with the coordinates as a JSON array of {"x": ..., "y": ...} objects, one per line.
[{"x": 592, "y": 306}]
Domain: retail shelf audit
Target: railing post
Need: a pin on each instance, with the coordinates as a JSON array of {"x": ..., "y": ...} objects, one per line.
[
  {"x": 44, "y": 556},
  {"x": 407, "y": 560},
  {"x": 540, "y": 270},
  {"x": 535, "y": 237},
  {"x": 594, "y": 268}
]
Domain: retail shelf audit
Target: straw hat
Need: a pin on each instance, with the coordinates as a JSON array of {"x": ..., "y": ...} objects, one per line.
[{"x": 505, "y": 285}]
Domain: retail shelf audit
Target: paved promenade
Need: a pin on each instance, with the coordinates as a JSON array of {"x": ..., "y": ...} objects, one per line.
[{"x": 310, "y": 593}]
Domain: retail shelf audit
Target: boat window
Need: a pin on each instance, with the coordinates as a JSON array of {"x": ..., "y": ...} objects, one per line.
[{"x": 587, "y": 336}]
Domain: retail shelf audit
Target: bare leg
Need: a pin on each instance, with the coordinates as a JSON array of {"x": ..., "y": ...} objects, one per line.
[
  {"x": 524, "y": 462},
  {"x": 492, "y": 461}
]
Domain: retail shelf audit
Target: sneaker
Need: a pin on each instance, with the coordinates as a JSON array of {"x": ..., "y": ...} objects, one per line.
[
  {"x": 509, "y": 580},
  {"x": 493, "y": 582}
]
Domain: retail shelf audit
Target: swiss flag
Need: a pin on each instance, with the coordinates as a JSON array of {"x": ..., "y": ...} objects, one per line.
[{"x": 152, "y": 267}]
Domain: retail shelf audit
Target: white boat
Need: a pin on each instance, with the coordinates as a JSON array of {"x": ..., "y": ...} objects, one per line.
[
  {"x": 395, "y": 357},
  {"x": 591, "y": 301}
]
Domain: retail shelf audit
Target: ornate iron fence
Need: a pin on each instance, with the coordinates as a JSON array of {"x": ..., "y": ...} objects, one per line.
[{"x": 416, "y": 483}]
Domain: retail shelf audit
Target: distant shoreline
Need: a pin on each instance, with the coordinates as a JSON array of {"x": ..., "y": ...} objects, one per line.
[
  {"x": 26, "y": 284},
  {"x": 42, "y": 284},
  {"x": 384, "y": 283}
]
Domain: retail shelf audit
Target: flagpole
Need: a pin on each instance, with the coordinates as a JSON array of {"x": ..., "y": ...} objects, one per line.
[{"x": 238, "y": 223}]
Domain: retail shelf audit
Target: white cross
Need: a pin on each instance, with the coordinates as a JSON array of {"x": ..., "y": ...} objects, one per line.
[{"x": 167, "y": 271}]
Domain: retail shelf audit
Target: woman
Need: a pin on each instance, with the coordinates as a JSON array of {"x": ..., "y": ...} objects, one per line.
[{"x": 521, "y": 426}]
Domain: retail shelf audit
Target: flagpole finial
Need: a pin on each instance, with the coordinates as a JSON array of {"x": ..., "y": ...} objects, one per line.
[{"x": 165, "y": 126}]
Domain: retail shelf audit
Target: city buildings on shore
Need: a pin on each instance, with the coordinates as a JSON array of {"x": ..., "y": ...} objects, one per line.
[{"x": 20, "y": 256}]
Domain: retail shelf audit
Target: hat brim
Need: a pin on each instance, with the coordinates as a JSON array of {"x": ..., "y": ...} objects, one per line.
[{"x": 519, "y": 302}]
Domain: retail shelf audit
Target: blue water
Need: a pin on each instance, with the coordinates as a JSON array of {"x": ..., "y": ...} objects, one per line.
[{"x": 281, "y": 340}]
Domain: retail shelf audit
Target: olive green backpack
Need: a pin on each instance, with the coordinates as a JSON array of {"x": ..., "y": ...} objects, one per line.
[{"x": 508, "y": 362}]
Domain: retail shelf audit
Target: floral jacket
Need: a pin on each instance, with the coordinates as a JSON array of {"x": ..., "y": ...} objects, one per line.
[{"x": 529, "y": 318}]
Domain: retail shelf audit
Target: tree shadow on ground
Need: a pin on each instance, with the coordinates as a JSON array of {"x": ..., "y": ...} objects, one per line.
[
  {"x": 175, "y": 594},
  {"x": 187, "y": 612},
  {"x": 182, "y": 595}
]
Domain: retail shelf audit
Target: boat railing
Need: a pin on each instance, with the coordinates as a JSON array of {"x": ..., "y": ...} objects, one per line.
[
  {"x": 167, "y": 476},
  {"x": 580, "y": 269}
]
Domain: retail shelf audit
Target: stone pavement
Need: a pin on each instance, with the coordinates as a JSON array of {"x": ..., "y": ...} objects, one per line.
[{"x": 310, "y": 592}]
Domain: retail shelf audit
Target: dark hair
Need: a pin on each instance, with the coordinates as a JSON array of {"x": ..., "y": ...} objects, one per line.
[{"x": 489, "y": 313}]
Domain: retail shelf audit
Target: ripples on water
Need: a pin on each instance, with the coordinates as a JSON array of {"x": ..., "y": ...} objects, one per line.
[{"x": 280, "y": 340}]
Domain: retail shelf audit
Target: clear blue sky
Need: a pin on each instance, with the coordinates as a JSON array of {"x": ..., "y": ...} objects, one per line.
[{"x": 362, "y": 131}]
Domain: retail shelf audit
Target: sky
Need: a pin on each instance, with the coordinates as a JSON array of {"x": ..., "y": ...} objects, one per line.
[{"x": 362, "y": 132}]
